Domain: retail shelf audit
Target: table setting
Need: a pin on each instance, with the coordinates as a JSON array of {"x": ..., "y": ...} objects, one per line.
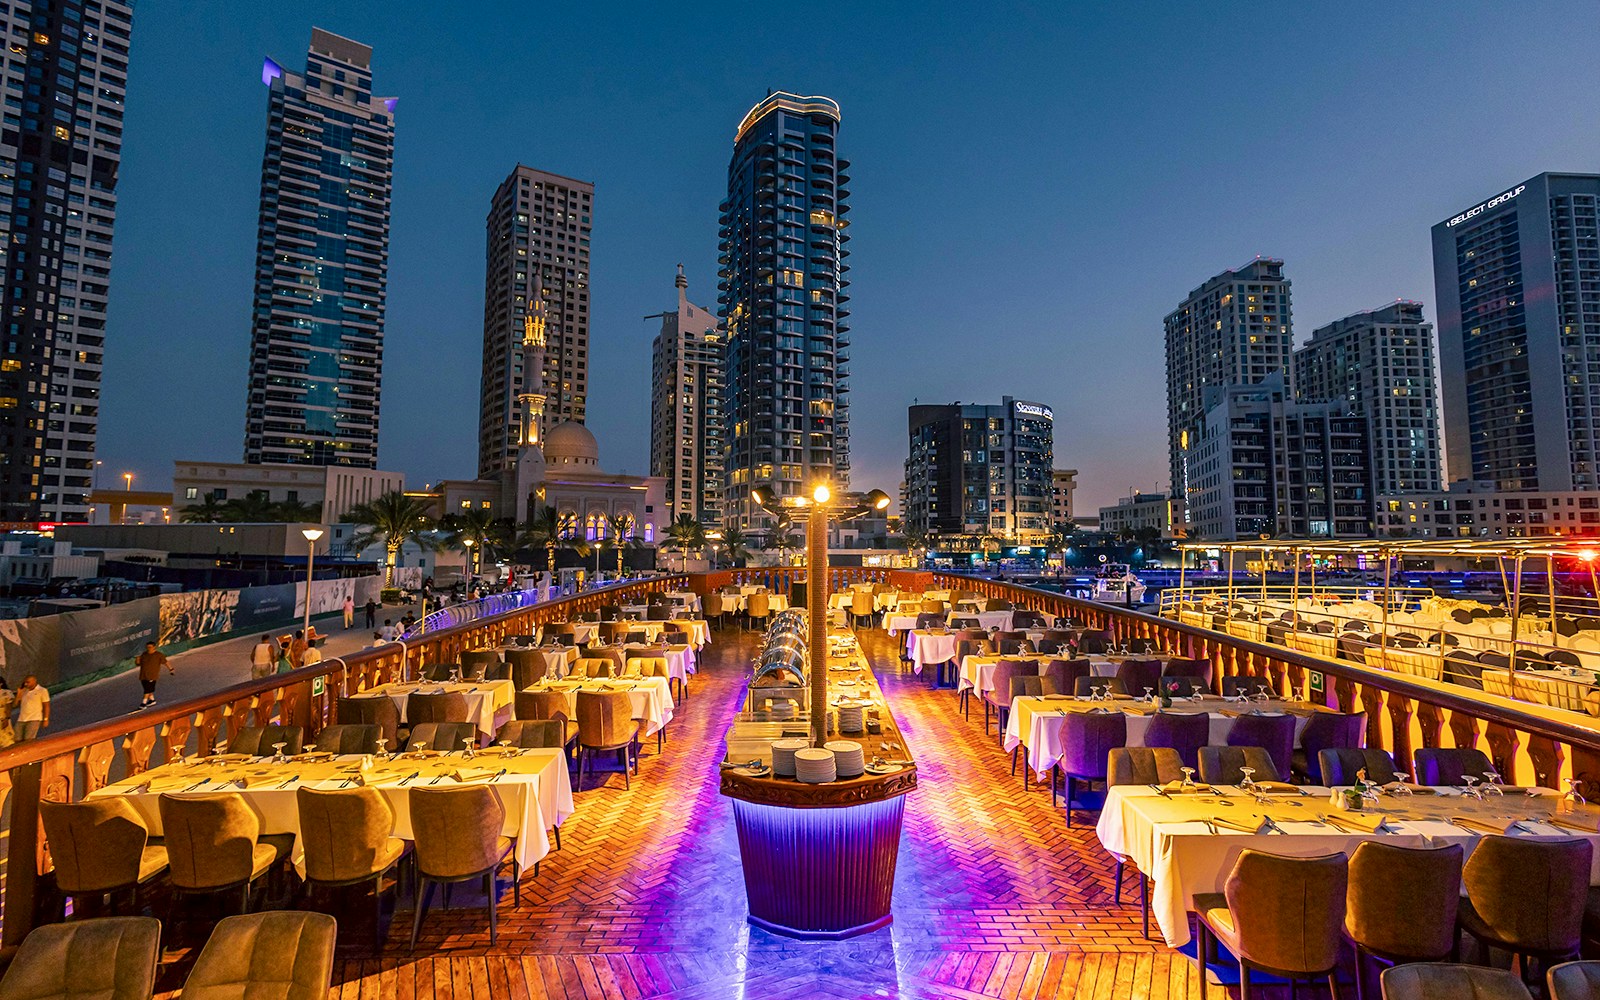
[
  {"x": 484, "y": 697},
  {"x": 651, "y": 696}
]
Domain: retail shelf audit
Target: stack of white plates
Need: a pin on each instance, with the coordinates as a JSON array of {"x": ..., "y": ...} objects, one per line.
[
  {"x": 814, "y": 766},
  {"x": 852, "y": 718},
  {"x": 783, "y": 752},
  {"x": 848, "y": 760},
  {"x": 780, "y": 708}
]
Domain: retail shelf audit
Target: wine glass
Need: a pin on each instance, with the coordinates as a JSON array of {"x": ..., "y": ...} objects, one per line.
[
  {"x": 1188, "y": 779},
  {"x": 1472, "y": 786},
  {"x": 1247, "y": 781},
  {"x": 308, "y": 749},
  {"x": 1573, "y": 800},
  {"x": 1261, "y": 693},
  {"x": 277, "y": 755},
  {"x": 1493, "y": 785},
  {"x": 419, "y": 748},
  {"x": 220, "y": 747},
  {"x": 1402, "y": 784},
  {"x": 1198, "y": 692},
  {"x": 468, "y": 745},
  {"x": 381, "y": 742},
  {"x": 1148, "y": 691}
]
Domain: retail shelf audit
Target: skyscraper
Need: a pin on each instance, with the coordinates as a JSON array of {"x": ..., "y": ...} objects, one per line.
[
  {"x": 686, "y": 409},
  {"x": 60, "y": 150},
  {"x": 538, "y": 236},
  {"x": 1233, "y": 330},
  {"x": 975, "y": 470},
  {"x": 1518, "y": 283},
  {"x": 781, "y": 295},
  {"x": 322, "y": 262},
  {"x": 1381, "y": 364}
]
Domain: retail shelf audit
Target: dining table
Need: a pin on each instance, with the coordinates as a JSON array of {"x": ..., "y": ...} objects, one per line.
[
  {"x": 651, "y": 696},
  {"x": 1187, "y": 840},
  {"x": 928, "y": 647},
  {"x": 532, "y": 786},
  {"x": 977, "y": 670},
  {"x": 484, "y": 698},
  {"x": 1037, "y": 724},
  {"x": 680, "y": 659},
  {"x": 1558, "y": 687}
]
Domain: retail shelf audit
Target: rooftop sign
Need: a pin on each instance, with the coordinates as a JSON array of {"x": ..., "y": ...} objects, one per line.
[
  {"x": 1491, "y": 203},
  {"x": 1034, "y": 410}
]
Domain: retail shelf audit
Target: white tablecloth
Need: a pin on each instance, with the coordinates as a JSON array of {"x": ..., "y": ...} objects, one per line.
[
  {"x": 1044, "y": 746},
  {"x": 484, "y": 698},
  {"x": 651, "y": 697},
  {"x": 977, "y": 672},
  {"x": 536, "y": 794},
  {"x": 897, "y": 623},
  {"x": 1183, "y": 859},
  {"x": 680, "y": 659},
  {"x": 928, "y": 648}
]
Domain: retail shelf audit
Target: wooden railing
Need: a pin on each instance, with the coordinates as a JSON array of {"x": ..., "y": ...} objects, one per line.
[
  {"x": 66, "y": 766},
  {"x": 1529, "y": 744}
]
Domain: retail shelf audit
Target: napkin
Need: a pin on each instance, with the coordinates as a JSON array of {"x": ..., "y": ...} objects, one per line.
[
  {"x": 1572, "y": 825},
  {"x": 465, "y": 775},
  {"x": 1483, "y": 826},
  {"x": 341, "y": 783},
  {"x": 1363, "y": 822},
  {"x": 1176, "y": 785},
  {"x": 1415, "y": 789},
  {"x": 1278, "y": 788},
  {"x": 1242, "y": 827}
]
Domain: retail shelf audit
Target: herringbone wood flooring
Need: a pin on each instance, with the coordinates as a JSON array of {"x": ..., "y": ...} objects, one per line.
[{"x": 994, "y": 896}]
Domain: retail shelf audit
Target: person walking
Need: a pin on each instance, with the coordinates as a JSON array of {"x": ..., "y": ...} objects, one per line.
[
  {"x": 263, "y": 658},
  {"x": 33, "y": 709},
  {"x": 297, "y": 650},
  {"x": 372, "y": 613},
  {"x": 8, "y": 699},
  {"x": 349, "y": 611},
  {"x": 150, "y": 662}
]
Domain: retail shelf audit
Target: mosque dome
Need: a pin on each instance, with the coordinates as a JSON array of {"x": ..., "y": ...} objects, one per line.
[{"x": 569, "y": 444}]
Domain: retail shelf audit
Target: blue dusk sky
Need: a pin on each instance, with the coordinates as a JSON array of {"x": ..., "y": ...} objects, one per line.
[{"x": 1034, "y": 188}]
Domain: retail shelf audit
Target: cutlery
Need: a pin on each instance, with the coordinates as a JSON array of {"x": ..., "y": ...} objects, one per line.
[
  {"x": 436, "y": 778},
  {"x": 498, "y": 776},
  {"x": 1160, "y": 791},
  {"x": 409, "y": 777},
  {"x": 291, "y": 780},
  {"x": 197, "y": 784},
  {"x": 347, "y": 781}
]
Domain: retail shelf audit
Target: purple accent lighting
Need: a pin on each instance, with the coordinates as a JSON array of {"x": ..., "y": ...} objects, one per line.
[
  {"x": 820, "y": 873},
  {"x": 270, "y": 71},
  {"x": 390, "y": 102}
]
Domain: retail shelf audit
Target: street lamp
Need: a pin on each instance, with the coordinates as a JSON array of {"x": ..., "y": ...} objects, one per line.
[
  {"x": 127, "y": 477},
  {"x": 821, "y": 507},
  {"x": 311, "y": 534},
  {"x": 471, "y": 565}
]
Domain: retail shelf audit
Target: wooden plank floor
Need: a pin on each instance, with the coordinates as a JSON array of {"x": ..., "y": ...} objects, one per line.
[{"x": 994, "y": 896}]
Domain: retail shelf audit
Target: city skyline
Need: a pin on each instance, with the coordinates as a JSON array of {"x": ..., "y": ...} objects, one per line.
[{"x": 1066, "y": 192}]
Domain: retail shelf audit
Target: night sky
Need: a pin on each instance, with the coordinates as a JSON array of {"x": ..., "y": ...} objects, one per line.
[{"x": 1032, "y": 191}]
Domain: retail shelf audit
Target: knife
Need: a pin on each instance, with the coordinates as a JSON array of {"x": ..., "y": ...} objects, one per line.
[
  {"x": 292, "y": 779},
  {"x": 1160, "y": 791},
  {"x": 497, "y": 777},
  {"x": 197, "y": 784},
  {"x": 436, "y": 778},
  {"x": 409, "y": 777}
]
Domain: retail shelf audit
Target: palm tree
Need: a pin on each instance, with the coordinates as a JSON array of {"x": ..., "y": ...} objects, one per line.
[
  {"x": 916, "y": 540},
  {"x": 619, "y": 536},
  {"x": 490, "y": 536},
  {"x": 548, "y": 528},
  {"x": 987, "y": 543},
  {"x": 252, "y": 508},
  {"x": 686, "y": 534},
  {"x": 396, "y": 519},
  {"x": 737, "y": 544},
  {"x": 208, "y": 511},
  {"x": 782, "y": 537},
  {"x": 296, "y": 512}
]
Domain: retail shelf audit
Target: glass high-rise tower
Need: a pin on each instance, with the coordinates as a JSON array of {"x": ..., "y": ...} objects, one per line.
[
  {"x": 781, "y": 298},
  {"x": 1518, "y": 283},
  {"x": 322, "y": 262},
  {"x": 66, "y": 72}
]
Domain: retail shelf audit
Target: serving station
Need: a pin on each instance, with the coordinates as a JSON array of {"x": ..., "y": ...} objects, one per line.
[{"x": 819, "y": 825}]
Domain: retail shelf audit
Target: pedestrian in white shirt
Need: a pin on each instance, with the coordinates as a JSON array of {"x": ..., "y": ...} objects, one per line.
[
  {"x": 263, "y": 658},
  {"x": 33, "y": 709},
  {"x": 388, "y": 630}
]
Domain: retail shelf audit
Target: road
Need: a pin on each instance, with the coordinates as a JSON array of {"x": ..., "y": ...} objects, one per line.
[{"x": 200, "y": 671}]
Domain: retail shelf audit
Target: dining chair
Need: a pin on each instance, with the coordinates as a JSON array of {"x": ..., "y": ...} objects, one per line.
[
  {"x": 105, "y": 958},
  {"x": 1436, "y": 981},
  {"x": 525, "y": 667},
  {"x": 1342, "y": 765},
  {"x": 438, "y": 671},
  {"x": 1144, "y": 765},
  {"x": 215, "y": 844},
  {"x": 258, "y": 741},
  {"x": 445, "y": 737},
  {"x": 100, "y": 847},
  {"x": 1085, "y": 685},
  {"x": 449, "y": 706},
  {"x": 532, "y": 734},
  {"x": 1094, "y": 642},
  {"x": 998, "y": 698},
  {"x": 1463, "y": 667},
  {"x": 287, "y": 955},
  {"x": 606, "y": 724},
  {"x": 1325, "y": 730},
  {"x": 476, "y": 661},
  {"x": 349, "y": 738},
  {"x": 1233, "y": 685},
  {"x": 1273, "y": 732},
  {"x": 1401, "y": 904},
  {"x": 347, "y": 838},
  {"x": 1277, "y": 915},
  {"x": 457, "y": 833},
  {"x": 1189, "y": 668},
  {"x": 1449, "y": 765},
  {"x": 1182, "y": 732},
  {"x": 1087, "y": 740},
  {"x": 539, "y": 705},
  {"x": 1574, "y": 981},
  {"x": 1527, "y": 896},
  {"x": 594, "y": 667},
  {"x": 1225, "y": 765},
  {"x": 1137, "y": 675},
  {"x": 757, "y": 609},
  {"x": 372, "y": 710}
]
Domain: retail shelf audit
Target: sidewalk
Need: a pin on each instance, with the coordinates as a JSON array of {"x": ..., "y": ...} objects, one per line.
[{"x": 200, "y": 671}]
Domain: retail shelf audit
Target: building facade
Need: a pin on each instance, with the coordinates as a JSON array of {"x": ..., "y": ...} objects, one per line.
[
  {"x": 1478, "y": 510},
  {"x": 1518, "y": 284},
  {"x": 322, "y": 262},
  {"x": 1139, "y": 512},
  {"x": 781, "y": 298},
  {"x": 1381, "y": 363},
  {"x": 1235, "y": 329},
  {"x": 538, "y": 232},
  {"x": 686, "y": 375},
  {"x": 66, "y": 66},
  {"x": 1062, "y": 484},
  {"x": 1264, "y": 465},
  {"x": 975, "y": 470},
  {"x": 336, "y": 488}
]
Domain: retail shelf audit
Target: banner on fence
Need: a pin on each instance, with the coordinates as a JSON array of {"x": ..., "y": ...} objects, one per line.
[
  {"x": 93, "y": 640},
  {"x": 31, "y": 646}
]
